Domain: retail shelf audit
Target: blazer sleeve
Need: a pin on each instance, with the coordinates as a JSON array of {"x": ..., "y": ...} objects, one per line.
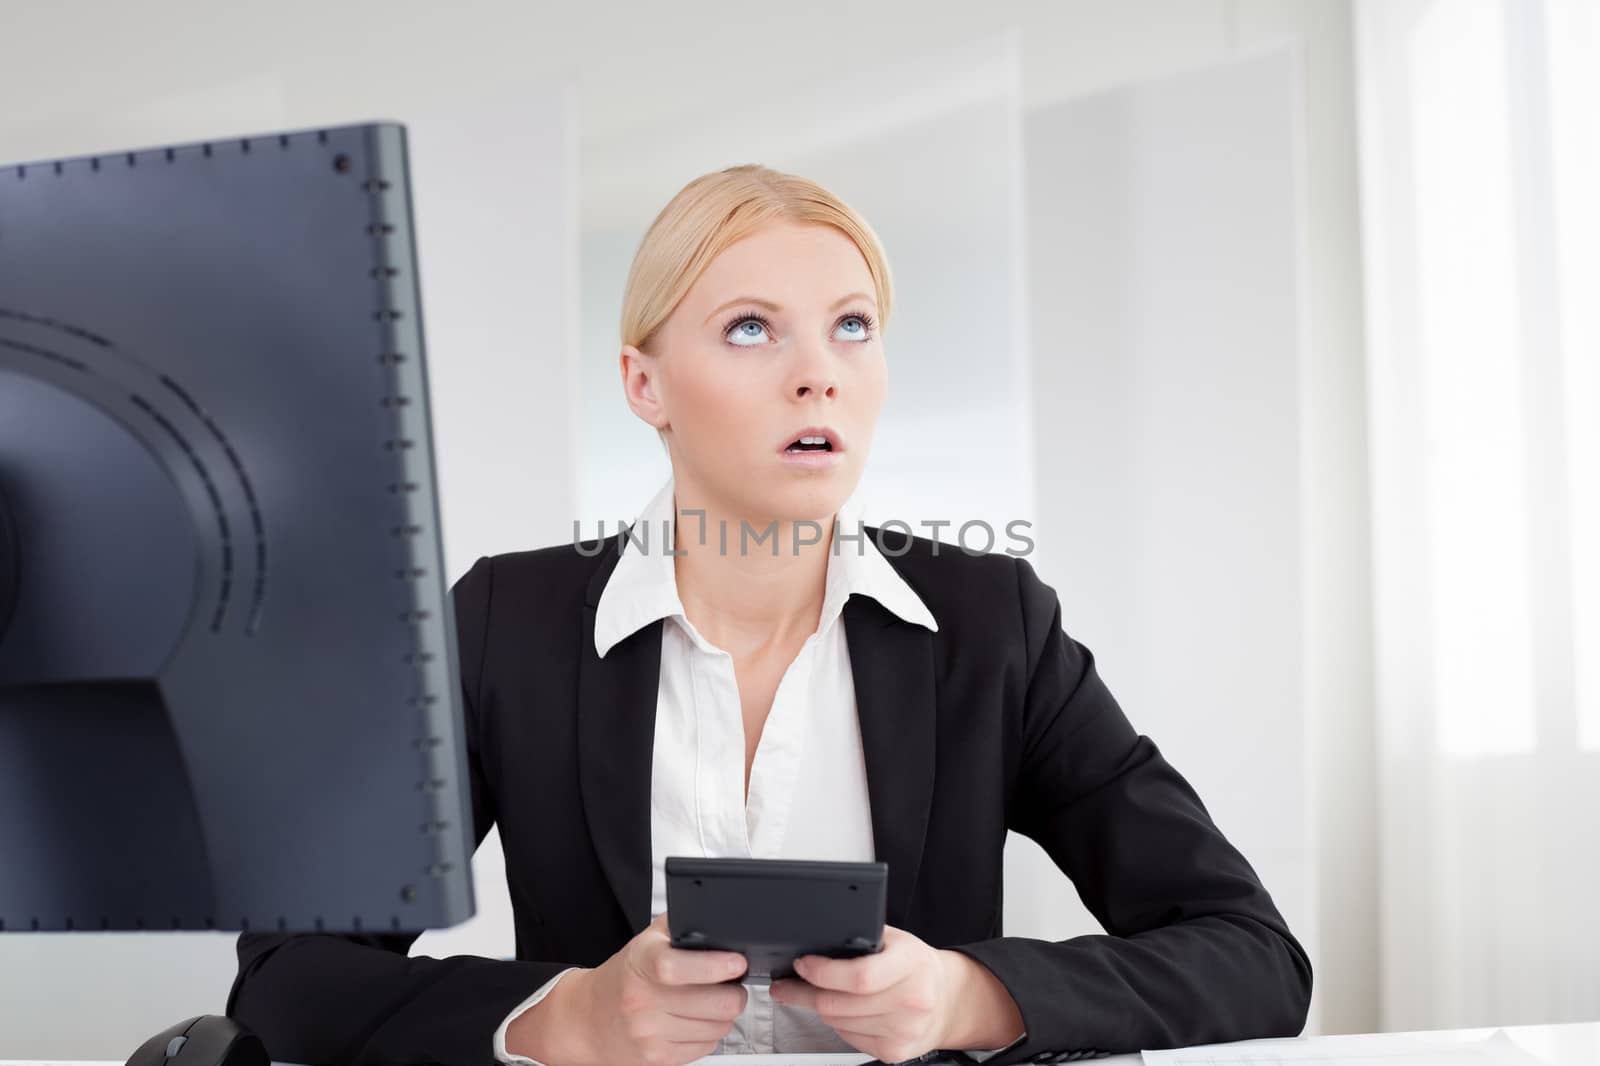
[
  {"x": 1195, "y": 951},
  {"x": 323, "y": 998}
]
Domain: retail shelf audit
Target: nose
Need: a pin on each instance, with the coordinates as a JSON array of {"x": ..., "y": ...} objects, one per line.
[{"x": 815, "y": 373}]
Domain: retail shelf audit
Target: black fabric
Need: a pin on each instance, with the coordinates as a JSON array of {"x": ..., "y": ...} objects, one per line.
[{"x": 998, "y": 721}]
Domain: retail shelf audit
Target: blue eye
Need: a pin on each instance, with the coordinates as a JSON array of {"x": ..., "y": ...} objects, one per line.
[
  {"x": 864, "y": 331},
  {"x": 745, "y": 338},
  {"x": 750, "y": 330}
]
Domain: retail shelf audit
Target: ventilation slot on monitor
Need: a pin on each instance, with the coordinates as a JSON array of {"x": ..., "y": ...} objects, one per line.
[{"x": 54, "y": 357}]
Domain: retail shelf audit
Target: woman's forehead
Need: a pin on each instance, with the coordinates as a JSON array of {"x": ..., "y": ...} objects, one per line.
[{"x": 788, "y": 264}]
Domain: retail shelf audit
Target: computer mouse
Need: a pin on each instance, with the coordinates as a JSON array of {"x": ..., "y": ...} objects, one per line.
[{"x": 209, "y": 1040}]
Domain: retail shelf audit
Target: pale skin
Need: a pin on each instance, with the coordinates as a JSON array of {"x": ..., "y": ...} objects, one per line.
[{"x": 725, "y": 389}]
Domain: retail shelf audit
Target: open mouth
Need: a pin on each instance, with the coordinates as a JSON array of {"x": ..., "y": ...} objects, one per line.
[{"x": 808, "y": 444}]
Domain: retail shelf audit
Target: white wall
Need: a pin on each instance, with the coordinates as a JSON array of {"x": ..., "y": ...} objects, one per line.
[{"x": 1164, "y": 273}]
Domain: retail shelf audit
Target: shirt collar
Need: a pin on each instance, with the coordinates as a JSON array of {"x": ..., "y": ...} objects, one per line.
[{"x": 644, "y": 585}]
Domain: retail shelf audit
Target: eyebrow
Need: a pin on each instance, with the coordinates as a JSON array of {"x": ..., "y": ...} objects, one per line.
[{"x": 770, "y": 306}]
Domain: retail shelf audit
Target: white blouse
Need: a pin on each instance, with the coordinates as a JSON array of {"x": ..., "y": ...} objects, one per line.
[{"x": 808, "y": 794}]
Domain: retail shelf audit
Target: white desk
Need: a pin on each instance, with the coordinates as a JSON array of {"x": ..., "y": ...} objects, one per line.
[{"x": 1552, "y": 1045}]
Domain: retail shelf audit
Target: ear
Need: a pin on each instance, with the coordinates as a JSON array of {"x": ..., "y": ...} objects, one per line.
[{"x": 639, "y": 385}]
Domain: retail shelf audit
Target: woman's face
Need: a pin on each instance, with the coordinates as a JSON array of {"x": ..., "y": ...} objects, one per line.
[{"x": 778, "y": 338}]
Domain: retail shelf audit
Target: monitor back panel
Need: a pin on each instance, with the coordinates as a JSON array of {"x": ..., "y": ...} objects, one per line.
[{"x": 229, "y": 694}]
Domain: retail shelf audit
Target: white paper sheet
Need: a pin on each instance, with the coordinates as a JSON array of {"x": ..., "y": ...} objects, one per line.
[{"x": 1385, "y": 1050}]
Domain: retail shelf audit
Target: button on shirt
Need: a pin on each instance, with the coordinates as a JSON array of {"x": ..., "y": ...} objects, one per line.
[{"x": 808, "y": 795}]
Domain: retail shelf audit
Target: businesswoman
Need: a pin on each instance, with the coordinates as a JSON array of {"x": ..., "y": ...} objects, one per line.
[{"x": 820, "y": 695}]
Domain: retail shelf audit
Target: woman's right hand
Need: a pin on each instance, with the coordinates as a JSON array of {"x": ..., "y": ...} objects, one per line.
[{"x": 650, "y": 1004}]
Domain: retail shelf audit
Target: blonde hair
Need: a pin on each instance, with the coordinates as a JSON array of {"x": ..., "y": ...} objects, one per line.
[{"x": 712, "y": 212}]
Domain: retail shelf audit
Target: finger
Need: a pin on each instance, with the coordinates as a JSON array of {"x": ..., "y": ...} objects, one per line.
[
  {"x": 861, "y": 976},
  {"x": 664, "y": 964},
  {"x": 792, "y": 993},
  {"x": 714, "y": 1003},
  {"x": 895, "y": 1002}
]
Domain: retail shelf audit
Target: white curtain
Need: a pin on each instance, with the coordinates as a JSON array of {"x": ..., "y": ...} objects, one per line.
[{"x": 1481, "y": 218}]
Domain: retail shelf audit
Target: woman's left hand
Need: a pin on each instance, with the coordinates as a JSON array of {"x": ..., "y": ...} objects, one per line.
[{"x": 905, "y": 1000}]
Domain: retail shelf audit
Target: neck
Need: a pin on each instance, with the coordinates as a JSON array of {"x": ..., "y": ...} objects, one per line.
[{"x": 744, "y": 594}]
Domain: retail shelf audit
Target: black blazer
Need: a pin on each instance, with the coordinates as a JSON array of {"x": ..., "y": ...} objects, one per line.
[{"x": 998, "y": 721}]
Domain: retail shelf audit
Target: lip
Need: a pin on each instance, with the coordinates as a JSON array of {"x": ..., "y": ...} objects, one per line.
[
  {"x": 828, "y": 433},
  {"x": 811, "y": 460}
]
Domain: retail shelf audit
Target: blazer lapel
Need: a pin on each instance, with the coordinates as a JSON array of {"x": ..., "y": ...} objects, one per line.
[
  {"x": 616, "y": 736},
  {"x": 891, "y": 661}
]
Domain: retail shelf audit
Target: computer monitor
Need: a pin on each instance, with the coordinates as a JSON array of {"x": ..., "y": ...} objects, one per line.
[{"x": 229, "y": 695}]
